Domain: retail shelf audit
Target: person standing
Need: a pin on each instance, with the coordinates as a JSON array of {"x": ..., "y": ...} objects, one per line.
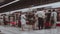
[
  {"x": 23, "y": 21},
  {"x": 54, "y": 18},
  {"x": 30, "y": 20},
  {"x": 41, "y": 16},
  {"x": 34, "y": 26},
  {"x": 19, "y": 20},
  {"x": 4, "y": 20},
  {"x": 48, "y": 19}
]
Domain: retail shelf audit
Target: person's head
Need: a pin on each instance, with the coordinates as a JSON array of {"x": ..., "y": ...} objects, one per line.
[
  {"x": 49, "y": 10},
  {"x": 53, "y": 10}
]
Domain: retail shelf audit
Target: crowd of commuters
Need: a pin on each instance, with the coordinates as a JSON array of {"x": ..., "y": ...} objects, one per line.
[{"x": 35, "y": 19}]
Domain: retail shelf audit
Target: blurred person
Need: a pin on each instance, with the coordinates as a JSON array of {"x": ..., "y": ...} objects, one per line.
[
  {"x": 4, "y": 20},
  {"x": 19, "y": 20},
  {"x": 54, "y": 17},
  {"x": 48, "y": 19},
  {"x": 36, "y": 23},
  {"x": 23, "y": 21},
  {"x": 34, "y": 19},
  {"x": 41, "y": 17},
  {"x": 30, "y": 19}
]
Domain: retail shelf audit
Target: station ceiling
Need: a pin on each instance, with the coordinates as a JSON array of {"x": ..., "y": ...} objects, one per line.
[{"x": 23, "y": 4}]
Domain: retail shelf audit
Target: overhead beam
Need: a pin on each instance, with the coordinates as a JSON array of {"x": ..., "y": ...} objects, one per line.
[{"x": 9, "y": 3}]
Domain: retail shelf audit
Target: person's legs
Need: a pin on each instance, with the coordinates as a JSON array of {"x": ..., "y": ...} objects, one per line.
[
  {"x": 19, "y": 24},
  {"x": 54, "y": 25},
  {"x": 40, "y": 23},
  {"x": 22, "y": 26},
  {"x": 53, "y": 22},
  {"x": 36, "y": 25},
  {"x": 33, "y": 26},
  {"x": 30, "y": 27},
  {"x": 4, "y": 23},
  {"x": 39, "y": 26}
]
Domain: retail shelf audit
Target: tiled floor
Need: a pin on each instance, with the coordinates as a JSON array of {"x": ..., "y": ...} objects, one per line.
[{"x": 14, "y": 30}]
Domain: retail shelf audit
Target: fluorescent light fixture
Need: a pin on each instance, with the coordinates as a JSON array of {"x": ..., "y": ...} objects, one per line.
[{"x": 9, "y": 3}]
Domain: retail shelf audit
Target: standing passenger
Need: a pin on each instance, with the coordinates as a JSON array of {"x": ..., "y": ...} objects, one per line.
[
  {"x": 48, "y": 18},
  {"x": 41, "y": 16},
  {"x": 54, "y": 17},
  {"x": 23, "y": 21}
]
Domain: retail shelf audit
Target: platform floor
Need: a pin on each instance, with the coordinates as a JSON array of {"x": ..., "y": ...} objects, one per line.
[{"x": 16, "y": 30}]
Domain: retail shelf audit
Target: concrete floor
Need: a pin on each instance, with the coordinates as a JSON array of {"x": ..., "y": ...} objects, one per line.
[{"x": 16, "y": 30}]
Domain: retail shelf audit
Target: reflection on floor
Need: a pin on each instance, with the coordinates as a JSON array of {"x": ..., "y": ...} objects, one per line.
[{"x": 15, "y": 30}]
